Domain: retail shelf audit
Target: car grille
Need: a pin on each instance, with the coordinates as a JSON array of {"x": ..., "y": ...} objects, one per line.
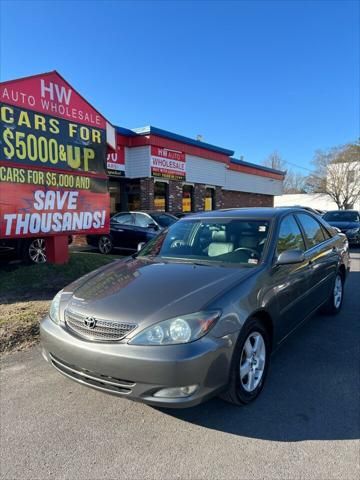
[
  {"x": 92, "y": 379},
  {"x": 93, "y": 328}
]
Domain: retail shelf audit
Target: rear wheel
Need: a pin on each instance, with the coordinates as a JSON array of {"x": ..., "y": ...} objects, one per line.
[
  {"x": 250, "y": 364},
  {"x": 105, "y": 244},
  {"x": 335, "y": 301},
  {"x": 34, "y": 251}
]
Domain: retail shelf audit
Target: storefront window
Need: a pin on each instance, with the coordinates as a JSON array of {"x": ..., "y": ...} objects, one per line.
[
  {"x": 133, "y": 195},
  {"x": 114, "y": 189},
  {"x": 124, "y": 195},
  {"x": 161, "y": 196},
  {"x": 187, "y": 198},
  {"x": 210, "y": 199}
]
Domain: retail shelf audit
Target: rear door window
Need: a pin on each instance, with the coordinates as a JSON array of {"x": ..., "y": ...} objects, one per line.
[
  {"x": 142, "y": 220},
  {"x": 313, "y": 232},
  {"x": 326, "y": 233},
  {"x": 163, "y": 219}
]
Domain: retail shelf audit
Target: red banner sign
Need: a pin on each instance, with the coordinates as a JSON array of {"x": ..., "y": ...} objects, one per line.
[
  {"x": 115, "y": 160},
  {"x": 166, "y": 163},
  {"x": 49, "y": 93},
  {"x": 39, "y": 212},
  {"x": 52, "y": 160}
]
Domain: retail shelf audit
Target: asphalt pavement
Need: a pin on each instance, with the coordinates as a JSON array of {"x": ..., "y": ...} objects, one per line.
[{"x": 305, "y": 425}]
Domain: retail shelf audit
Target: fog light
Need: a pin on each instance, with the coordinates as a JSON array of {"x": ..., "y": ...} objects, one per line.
[{"x": 176, "y": 392}]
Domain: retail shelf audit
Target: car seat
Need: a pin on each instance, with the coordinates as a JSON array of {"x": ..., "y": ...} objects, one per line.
[{"x": 219, "y": 245}]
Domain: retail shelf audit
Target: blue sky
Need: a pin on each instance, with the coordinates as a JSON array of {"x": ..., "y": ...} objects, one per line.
[{"x": 252, "y": 76}]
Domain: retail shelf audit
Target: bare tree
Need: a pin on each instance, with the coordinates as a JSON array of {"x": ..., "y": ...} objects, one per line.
[
  {"x": 294, "y": 182},
  {"x": 337, "y": 173},
  {"x": 275, "y": 161}
]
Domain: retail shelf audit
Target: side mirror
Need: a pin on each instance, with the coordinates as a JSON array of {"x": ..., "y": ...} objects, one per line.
[
  {"x": 290, "y": 256},
  {"x": 140, "y": 246}
]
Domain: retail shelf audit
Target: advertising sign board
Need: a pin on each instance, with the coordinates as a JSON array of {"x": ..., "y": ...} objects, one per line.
[
  {"x": 52, "y": 160},
  {"x": 167, "y": 163},
  {"x": 115, "y": 160}
]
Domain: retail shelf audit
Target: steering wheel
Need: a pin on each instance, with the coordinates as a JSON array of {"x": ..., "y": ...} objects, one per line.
[
  {"x": 177, "y": 243},
  {"x": 251, "y": 250}
]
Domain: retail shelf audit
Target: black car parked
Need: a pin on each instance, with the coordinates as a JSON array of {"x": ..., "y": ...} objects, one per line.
[
  {"x": 348, "y": 221},
  {"x": 128, "y": 229},
  {"x": 29, "y": 250},
  {"x": 183, "y": 214}
]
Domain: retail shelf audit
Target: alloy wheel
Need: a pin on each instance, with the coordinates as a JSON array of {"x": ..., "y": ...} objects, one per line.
[
  {"x": 338, "y": 291},
  {"x": 105, "y": 245},
  {"x": 37, "y": 251},
  {"x": 252, "y": 361}
]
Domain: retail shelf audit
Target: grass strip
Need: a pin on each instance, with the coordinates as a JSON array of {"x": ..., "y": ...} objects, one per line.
[{"x": 26, "y": 292}]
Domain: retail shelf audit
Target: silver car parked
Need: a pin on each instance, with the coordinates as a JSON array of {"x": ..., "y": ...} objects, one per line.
[{"x": 199, "y": 309}]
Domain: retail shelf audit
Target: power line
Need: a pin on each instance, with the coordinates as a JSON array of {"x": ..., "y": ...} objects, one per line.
[{"x": 298, "y": 166}]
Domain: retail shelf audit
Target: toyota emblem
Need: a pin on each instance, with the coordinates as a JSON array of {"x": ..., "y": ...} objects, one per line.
[{"x": 90, "y": 322}]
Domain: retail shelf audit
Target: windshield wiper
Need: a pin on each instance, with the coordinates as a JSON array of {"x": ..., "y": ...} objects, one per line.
[{"x": 197, "y": 262}]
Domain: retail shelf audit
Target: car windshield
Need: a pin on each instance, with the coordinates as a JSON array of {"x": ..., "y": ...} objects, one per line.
[
  {"x": 163, "y": 219},
  {"x": 341, "y": 216},
  {"x": 228, "y": 241}
]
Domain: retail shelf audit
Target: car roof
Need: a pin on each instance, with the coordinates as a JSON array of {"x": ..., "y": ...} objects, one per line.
[
  {"x": 149, "y": 212},
  {"x": 304, "y": 207},
  {"x": 340, "y": 211},
  {"x": 253, "y": 212},
  {"x": 157, "y": 212}
]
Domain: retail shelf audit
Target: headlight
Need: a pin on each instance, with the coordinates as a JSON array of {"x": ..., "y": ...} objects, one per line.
[
  {"x": 55, "y": 308},
  {"x": 353, "y": 231},
  {"x": 181, "y": 329}
]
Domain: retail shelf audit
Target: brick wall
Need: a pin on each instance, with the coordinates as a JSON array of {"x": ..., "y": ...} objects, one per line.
[
  {"x": 233, "y": 199},
  {"x": 219, "y": 198},
  {"x": 175, "y": 196},
  {"x": 223, "y": 198},
  {"x": 147, "y": 193},
  {"x": 79, "y": 240},
  {"x": 199, "y": 197}
]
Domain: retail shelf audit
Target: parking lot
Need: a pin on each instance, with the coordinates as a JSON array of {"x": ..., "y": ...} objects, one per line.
[{"x": 304, "y": 425}]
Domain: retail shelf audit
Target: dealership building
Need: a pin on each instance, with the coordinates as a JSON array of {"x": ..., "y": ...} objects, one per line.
[
  {"x": 53, "y": 180},
  {"x": 152, "y": 169}
]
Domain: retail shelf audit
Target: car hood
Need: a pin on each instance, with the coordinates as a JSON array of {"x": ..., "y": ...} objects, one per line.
[
  {"x": 144, "y": 292},
  {"x": 344, "y": 225}
]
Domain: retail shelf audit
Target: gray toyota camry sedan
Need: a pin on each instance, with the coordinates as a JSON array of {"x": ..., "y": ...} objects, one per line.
[{"x": 198, "y": 310}]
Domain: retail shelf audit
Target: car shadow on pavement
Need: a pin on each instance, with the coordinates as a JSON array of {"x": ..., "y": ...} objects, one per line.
[{"x": 312, "y": 391}]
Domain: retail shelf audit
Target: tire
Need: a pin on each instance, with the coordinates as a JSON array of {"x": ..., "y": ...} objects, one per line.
[
  {"x": 335, "y": 301},
  {"x": 34, "y": 251},
  {"x": 105, "y": 244},
  {"x": 244, "y": 388}
]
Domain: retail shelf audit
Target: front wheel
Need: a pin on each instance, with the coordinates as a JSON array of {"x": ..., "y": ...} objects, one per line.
[
  {"x": 105, "y": 244},
  {"x": 250, "y": 364}
]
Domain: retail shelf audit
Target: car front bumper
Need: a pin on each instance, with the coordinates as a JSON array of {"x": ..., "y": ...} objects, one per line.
[{"x": 138, "y": 372}]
